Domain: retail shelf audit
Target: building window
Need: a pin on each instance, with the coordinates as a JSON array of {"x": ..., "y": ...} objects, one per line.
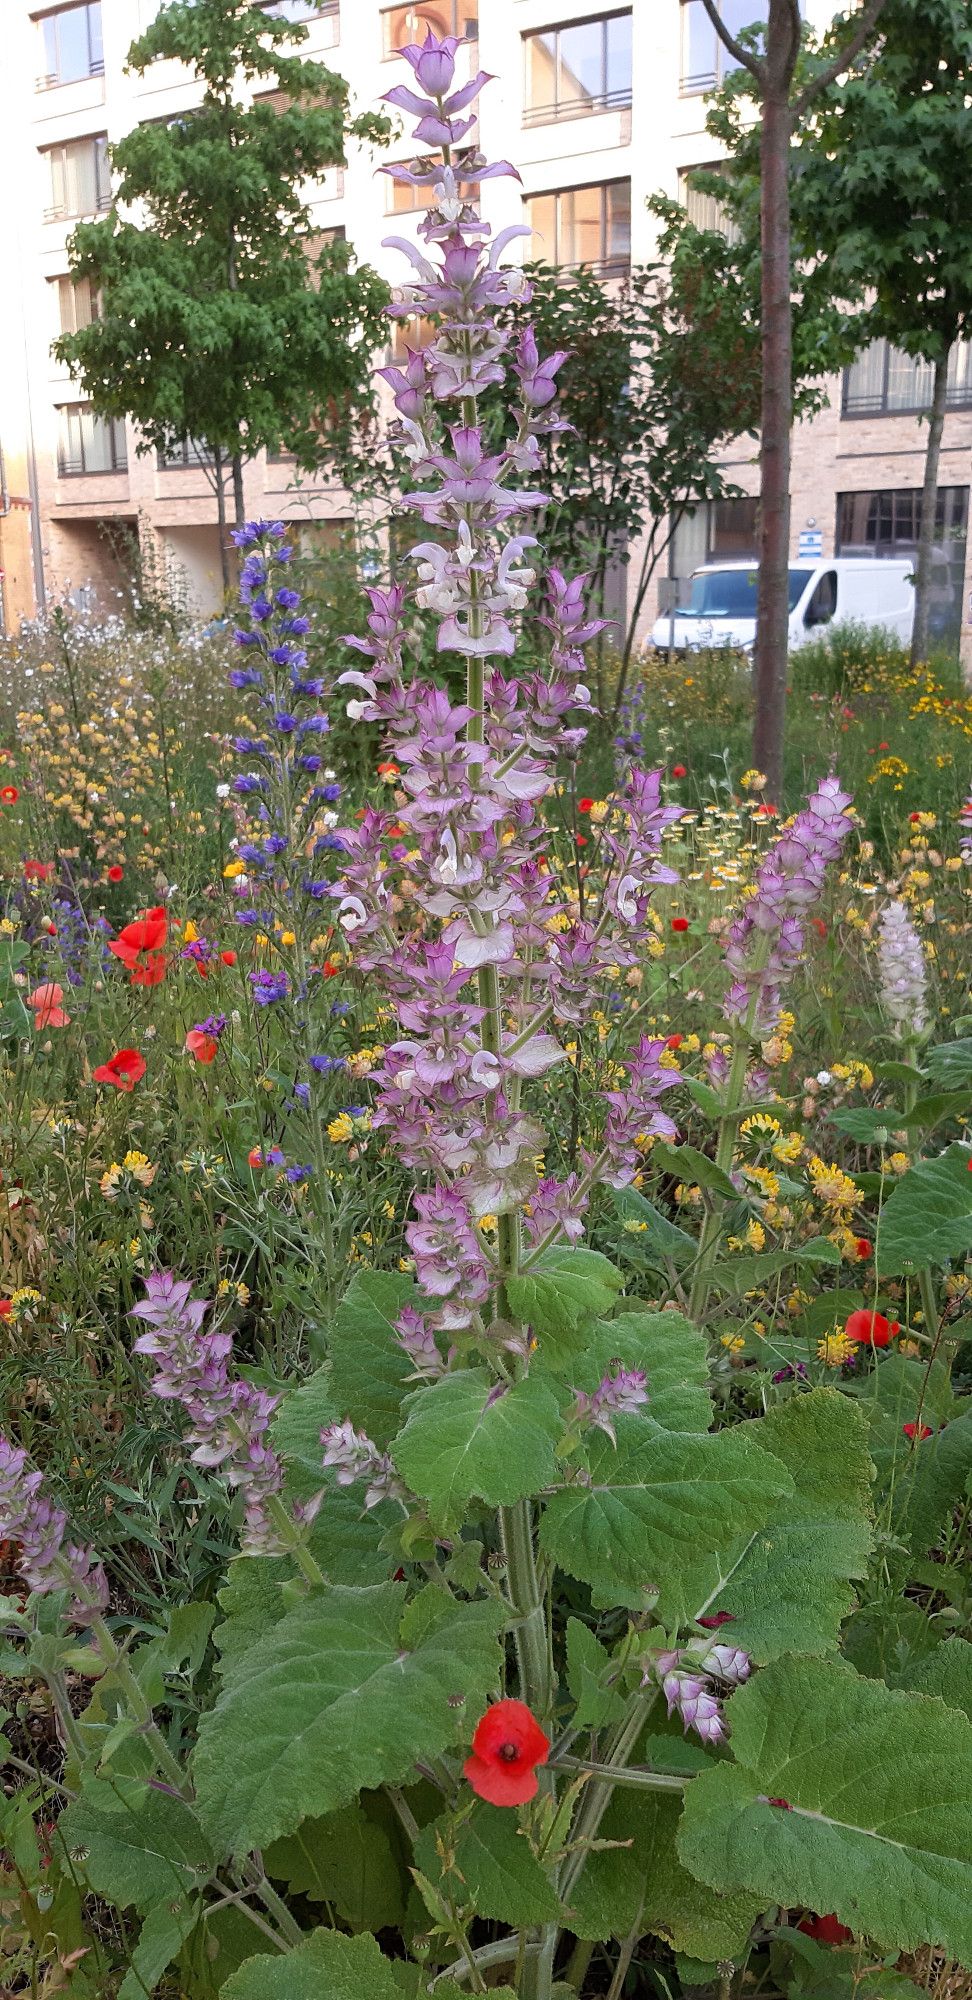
[
  {"x": 402, "y": 25},
  {"x": 77, "y": 303},
  {"x": 574, "y": 70},
  {"x": 401, "y": 198},
  {"x": 184, "y": 453},
  {"x": 715, "y": 531},
  {"x": 884, "y": 382},
  {"x": 87, "y": 443},
  {"x": 706, "y": 61},
  {"x": 706, "y": 211},
  {"x": 299, "y": 10},
  {"x": 886, "y": 524},
  {"x": 583, "y": 225},
  {"x": 72, "y": 44},
  {"x": 80, "y": 180}
]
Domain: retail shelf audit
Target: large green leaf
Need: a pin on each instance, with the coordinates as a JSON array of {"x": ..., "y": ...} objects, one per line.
[
  {"x": 658, "y": 1236},
  {"x": 927, "y": 1217},
  {"x": 790, "y": 1587},
  {"x": 878, "y": 1785},
  {"x": 746, "y": 1274},
  {"x": 654, "y": 1502},
  {"x": 136, "y": 1850},
  {"x": 950, "y": 1063},
  {"x": 334, "y": 1700},
  {"x": 369, "y": 1370},
  {"x": 591, "y": 1673},
  {"x": 326, "y": 1966},
  {"x": 345, "y": 1859},
  {"x": 671, "y": 1351},
  {"x": 164, "y": 1932},
  {"x": 466, "y": 1437},
  {"x": 329, "y": 1966},
  {"x": 487, "y": 1863},
  {"x": 946, "y": 1672},
  {"x": 642, "y": 1885},
  {"x": 346, "y": 1540},
  {"x": 560, "y": 1296}
]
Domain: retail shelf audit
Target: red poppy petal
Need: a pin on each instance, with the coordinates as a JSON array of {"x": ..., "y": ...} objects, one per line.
[{"x": 501, "y": 1784}]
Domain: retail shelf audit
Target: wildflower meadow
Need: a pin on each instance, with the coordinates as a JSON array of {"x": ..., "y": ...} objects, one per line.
[{"x": 485, "y": 1216}]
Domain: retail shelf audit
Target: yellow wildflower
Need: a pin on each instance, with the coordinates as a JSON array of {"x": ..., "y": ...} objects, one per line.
[
  {"x": 340, "y": 1129},
  {"x": 834, "y": 1349}
]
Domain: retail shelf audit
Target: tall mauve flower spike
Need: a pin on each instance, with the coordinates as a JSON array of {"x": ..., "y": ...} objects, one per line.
[{"x": 507, "y": 1746}]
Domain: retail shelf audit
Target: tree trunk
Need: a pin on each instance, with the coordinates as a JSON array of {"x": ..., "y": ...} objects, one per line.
[
  {"x": 239, "y": 503},
  {"x": 772, "y": 611},
  {"x": 929, "y": 503},
  {"x": 224, "y": 561}
]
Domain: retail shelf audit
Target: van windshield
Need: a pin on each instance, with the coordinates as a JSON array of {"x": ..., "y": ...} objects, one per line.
[{"x": 731, "y": 593}]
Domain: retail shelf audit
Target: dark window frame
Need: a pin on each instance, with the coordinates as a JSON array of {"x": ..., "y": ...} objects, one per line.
[
  {"x": 185, "y": 455},
  {"x": 603, "y": 266},
  {"x": 554, "y": 113},
  {"x": 67, "y": 465},
  {"x": 51, "y": 79},
  {"x": 870, "y": 406}
]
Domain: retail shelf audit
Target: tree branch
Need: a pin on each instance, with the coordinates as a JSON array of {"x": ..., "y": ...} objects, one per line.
[
  {"x": 736, "y": 50},
  {"x": 836, "y": 67}
]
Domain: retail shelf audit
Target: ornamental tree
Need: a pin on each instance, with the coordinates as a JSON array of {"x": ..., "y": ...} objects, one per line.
[
  {"x": 221, "y": 320},
  {"x": 770, "y": 68},
  {"x": 658, "y": 371},
  {"x": 880, "y": 181}
]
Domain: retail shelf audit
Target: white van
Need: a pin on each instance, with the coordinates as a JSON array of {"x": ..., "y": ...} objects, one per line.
[{"x": 721, "y": 610}]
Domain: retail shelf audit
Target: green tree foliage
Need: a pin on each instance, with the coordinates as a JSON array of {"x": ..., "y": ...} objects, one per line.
[{"x": 220, "y": 319}]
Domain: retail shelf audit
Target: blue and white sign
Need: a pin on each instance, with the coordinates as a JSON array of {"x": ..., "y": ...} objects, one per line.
[{"x": 811, "y": 543}]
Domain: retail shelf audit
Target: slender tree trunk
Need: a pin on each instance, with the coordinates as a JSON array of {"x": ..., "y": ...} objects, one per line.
[
  {"x": 224, "y": 561},
  {"x": 772, "y": 611},
  {"x": 239, "y": 503},
  {"x": 929, "y": 503}
]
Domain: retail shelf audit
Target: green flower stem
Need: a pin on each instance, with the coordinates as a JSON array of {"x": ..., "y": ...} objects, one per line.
[
  {"x": 601, "y": 1791},
  {"x": 699, "y": 1295},
  {"x": 934, "y": 1323},
  {"x": 621, "y": 1774},
  {"x": 116, "y": 1661},
  {"x": 297, "y": 1547},
  {"x": 526, "y": 1598}
]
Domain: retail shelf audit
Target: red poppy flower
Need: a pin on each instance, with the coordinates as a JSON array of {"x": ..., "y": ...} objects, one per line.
[
  {"x": 581, "y": 839},
  {"x": 115, "y": 873},
  {"x": 679, "y": 771},
  {"x": 201, "y": 1045},
  {"x": 139, "y": 945},
  {"x": 506, "y": 1748},
  {"x": 914, "y": 818},
  {"x": 680, "y": 923},
  {"x": 863, "y": 1249},
  {"x": 38, "y": 871},
  {"x": 870, "y": 1328},
  {"x": 227, "y": 957},
  {"x": 6, "y": 1308},
  {"x": 917, "y": 1431},
  {"x": 819, "y": 926},
  {"x": 124, "y": 1069},
  {"x": 46, "y": 1003},
  {"x": 584, "y": 805},
  {"x": 674, "y": 1041},
  {"x": 8, "y": 795},
  {"x": 255, "y": 1157},
  {"x": 826, "y": 1930}
]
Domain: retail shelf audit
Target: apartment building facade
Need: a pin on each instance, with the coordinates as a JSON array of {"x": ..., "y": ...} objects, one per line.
[{"x": 599, "y": 105}]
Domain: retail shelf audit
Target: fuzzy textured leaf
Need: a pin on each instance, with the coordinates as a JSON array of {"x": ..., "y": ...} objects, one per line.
[
  {"x": 791, "y": 1587},
  {"x": 334, "y": 1700},
  {"x": 345, "y": 1859},
  {"x": 946, "y": 1672},
  {"x": 671, "y": 1351},
  {"x": 879, "y": 1828},
  {"x": 563, "y": 1292},
  {"x": 462, "y": 1439},
  {"x": 927, "y": 1217},
  {"x": 139, "y": 1851},
  {"x": 644, "y": 1885},
  {"x": 369, "y": 1373},
  {"x": 346, "y": 1540},
  {"x": 325, "y": 1966},
  {"x": 490, "y": 1865},
  {"x": 654, "y": 1500}
]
